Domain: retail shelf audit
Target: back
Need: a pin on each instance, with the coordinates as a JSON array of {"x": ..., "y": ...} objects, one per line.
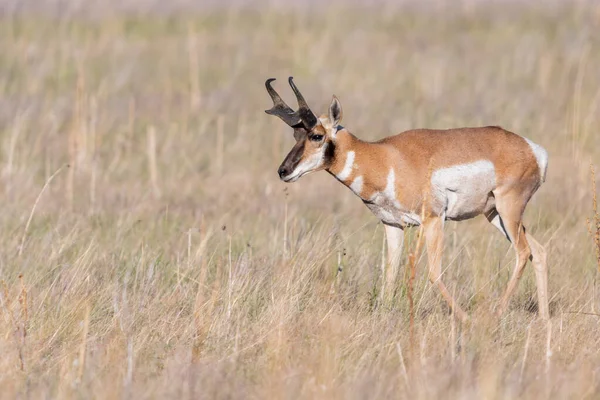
[{"x": 427, "y": 150}]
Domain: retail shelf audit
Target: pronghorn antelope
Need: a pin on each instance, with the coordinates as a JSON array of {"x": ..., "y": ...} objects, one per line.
[{"x": 424, "y": 177}]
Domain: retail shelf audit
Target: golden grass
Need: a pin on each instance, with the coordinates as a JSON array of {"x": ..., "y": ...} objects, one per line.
[
  {"x": 594, "y": 222},
  {"x": 169, "y": 261}
]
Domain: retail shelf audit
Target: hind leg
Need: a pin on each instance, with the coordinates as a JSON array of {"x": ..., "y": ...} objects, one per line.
[
  {"x": 541, "y": 275},
  {"x": 537, "y": 254},
  {"x": 510, "y": 207}
]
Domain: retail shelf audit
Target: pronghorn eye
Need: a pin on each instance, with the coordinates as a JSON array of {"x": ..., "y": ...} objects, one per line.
[{"x": 316, "y": 138}]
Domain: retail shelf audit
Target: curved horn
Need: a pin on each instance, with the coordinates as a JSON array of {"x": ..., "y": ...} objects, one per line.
[
  {"x": 280, "y": 109},
  {"x": 309, "y": 119}
]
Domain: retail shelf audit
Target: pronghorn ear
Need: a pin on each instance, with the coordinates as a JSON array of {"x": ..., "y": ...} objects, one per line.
[{"x": 335, "y": 112}]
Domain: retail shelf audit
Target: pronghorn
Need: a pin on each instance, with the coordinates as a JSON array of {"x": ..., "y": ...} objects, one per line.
[{"x": 424, "y": 177}]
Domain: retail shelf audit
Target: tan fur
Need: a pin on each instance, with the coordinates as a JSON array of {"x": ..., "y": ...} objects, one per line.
[
  {"x": 416, "y": 154},
  {"x": 426, "y": 176}
]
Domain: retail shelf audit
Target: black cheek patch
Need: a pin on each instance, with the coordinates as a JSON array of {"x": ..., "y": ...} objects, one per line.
[{"x": 329, "y": 153}]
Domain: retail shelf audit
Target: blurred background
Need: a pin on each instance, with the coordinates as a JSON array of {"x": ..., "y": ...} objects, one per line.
[{"x": 148, "y": 248}]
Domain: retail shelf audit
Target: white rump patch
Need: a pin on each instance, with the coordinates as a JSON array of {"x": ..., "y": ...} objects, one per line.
[
  {"x": 357, "y": 185},
  {"x": 541, "y": 156},
  {"x": 464, "y": 190},
  {"x": 348, "y": 166}
]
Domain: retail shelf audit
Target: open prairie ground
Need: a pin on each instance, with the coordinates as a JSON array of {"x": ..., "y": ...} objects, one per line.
[{"x": 149, "y": 250}]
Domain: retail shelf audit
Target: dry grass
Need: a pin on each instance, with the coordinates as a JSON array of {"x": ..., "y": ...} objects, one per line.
[
  {"x": 594, "y": 222},
  {"x": 168, "y": 260}
]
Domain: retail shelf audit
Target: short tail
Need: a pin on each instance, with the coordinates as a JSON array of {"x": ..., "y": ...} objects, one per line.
[
  {"x": 543, "y": 163},
  {"x": 541, "y": 156}
]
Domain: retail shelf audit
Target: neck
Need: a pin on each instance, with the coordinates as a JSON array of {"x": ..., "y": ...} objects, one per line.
[
  {"x": 346, "y": 161},
  {"x": 360, "y": 165},
  {"x": 344, "y": 151}
]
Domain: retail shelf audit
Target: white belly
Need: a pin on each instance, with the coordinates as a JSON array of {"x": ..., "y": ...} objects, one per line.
[{"x": 464, "y": 191}]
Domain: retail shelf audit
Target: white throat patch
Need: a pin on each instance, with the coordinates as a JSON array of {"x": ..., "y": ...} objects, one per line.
[
  {"x": 357, "y": 185},
  {"x": 348, "y": 167},
  {"x": 390, "y": 188}
]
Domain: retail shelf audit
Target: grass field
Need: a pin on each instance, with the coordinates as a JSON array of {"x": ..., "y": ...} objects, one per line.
[{"x": 149, "y": 250}]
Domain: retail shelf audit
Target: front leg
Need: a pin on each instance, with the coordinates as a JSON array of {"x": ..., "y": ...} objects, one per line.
[
  {"x": 434, "y": 236},
  {"x": 394, "y": 238}
]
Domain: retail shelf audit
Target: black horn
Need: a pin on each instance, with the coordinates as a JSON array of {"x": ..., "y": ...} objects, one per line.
[
  {"x": 306, "y": 115},
  {"x": 303, "y": 117},
  {"x": 280, "y": 109}
]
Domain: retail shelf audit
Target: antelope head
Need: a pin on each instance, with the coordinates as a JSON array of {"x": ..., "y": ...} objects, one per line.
[{"x": 314, "y": 148}]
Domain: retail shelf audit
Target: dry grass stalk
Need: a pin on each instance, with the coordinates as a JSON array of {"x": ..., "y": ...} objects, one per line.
[
  {"x": 402, "y": 365},
  {"x": 35, "y": 204},
  {"x": 229, "y": 279},
  {"x": 24, "y": 320},
  {"x": 577, "y": 99},
  {"x": 94, "y": 144},
  {"x": 220, "y": 149},
  {"x": 525, "y": 353},
  {"x": 412, "y": 264},
  {"x": 77, "y": 138},
  {"x": 548, "y": 347},
  {"x": 18, "y": 323},
  {"x": 285, "y": 225},
  {"x": 84, "y": 340},
  {"x": 594, "y": 222},
  {"x": 8, "y": 170},
  {"x": 152, "y": 162},
  {"x": 131, "y": 114},
  {"x": 194, "y": 68}
]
